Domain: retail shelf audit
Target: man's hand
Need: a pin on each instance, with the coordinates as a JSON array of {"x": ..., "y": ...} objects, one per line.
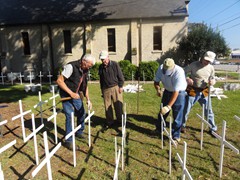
[
  {"x": 159, "y": 93},
  {"x": 165, "y": 110},
  {"x": 120, "y": 90},
  {"x": 189, "y": 81},
  {"x": 212, "y": 82},
  {"x": 89, "y": 104},
  {"x": 75, "y": 96}
]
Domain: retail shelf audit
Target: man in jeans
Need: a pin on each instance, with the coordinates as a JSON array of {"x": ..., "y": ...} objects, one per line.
[
  {"x": 111, "y": 83},
  {"x": 73, "y": 83},
  {"x": 200, "y": 77},
  {"x": 173, "y": 79}
]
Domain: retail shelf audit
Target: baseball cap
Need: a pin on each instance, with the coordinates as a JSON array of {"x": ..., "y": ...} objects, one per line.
[
  {"x": 168, "y": 66},
  {"x": 209, "y": 56},
  {"x": 103, "y": 55}
]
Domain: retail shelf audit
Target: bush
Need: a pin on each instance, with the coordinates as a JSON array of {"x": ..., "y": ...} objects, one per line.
[
  {"x": 128, "y": 69},
  {"x": 147, "y": 70},
  {"x": 94, "y": 72}
]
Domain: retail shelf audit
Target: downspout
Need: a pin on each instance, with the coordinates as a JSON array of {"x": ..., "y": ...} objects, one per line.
[
  {"x": 51, "y": 49},
  {"x": 140, "y": 41}
]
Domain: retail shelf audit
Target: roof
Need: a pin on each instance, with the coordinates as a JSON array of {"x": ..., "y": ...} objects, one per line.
[{"x": 14, "y": 12}]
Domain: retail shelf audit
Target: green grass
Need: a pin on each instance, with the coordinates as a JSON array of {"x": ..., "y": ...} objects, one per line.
[{"x": 144, "y": 158}]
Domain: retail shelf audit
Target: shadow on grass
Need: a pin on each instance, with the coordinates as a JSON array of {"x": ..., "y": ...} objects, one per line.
[{"x": 14, "y": 93}]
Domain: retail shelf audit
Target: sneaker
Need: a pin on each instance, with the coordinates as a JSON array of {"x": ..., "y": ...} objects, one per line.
[
  {"x": 183, "y": 130},
  {"x": 80, "y": 136},
  {"x": 177, "y": 140},
  {"x": 210, "y": 132},
  {"x": 69, "y": 145}
]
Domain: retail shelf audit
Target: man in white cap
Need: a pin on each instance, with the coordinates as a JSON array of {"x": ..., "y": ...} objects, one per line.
[
  {"x": 200, "y": 77},
  {"x": 111, "y": 83},
  {"x": 173, "y": 79}
]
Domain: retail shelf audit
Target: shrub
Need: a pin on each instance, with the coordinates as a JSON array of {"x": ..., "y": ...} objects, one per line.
[
  {"x": 148, "y": 69},
  {"x": 128, "y": 69},
  {"x": 94, "y": 72}
]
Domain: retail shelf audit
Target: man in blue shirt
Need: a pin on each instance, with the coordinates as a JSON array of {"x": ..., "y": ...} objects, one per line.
[{"x": 173, "y": 79}]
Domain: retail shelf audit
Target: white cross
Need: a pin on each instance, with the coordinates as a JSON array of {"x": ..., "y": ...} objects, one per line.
[
  {"x": 223, "y": 143},
  {"x": 54, "y": 116},
  {"x": 40, "y": 76},
  {"x": 202, "y": 125},
  {"x": 30, "y": 77},
  {"x": 2, "y": 123},
  {"x": 33, "y": 134},
  {"x": 183, "y": 163},
  {"x": 20, "y": 77},
  {"x": 47, "y": 159},
  {"x": 237, "y": 118},
  {"x": 117, "y": 164},
  {"x": 2, "y": 77},
  {"x": 4, "y": 148},
  {"x": 40, "y": 103},
  {"x": 1, "y": 172},
  {"x": 50, "y": 77},
  {"x": 21, "y": 115}
]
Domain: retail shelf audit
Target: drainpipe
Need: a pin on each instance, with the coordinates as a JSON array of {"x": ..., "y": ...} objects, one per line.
[
  {"x": 51, "y": 49},
  {"x": 140, "y": 41}
]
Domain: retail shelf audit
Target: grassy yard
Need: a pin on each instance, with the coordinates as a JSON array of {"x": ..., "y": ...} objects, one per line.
[{"x": 144, "y": 158}]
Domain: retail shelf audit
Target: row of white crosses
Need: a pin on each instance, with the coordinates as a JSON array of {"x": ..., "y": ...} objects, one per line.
[
  {"x": 30, "y": 76},
  {"x": 171, "y": 141},
  {"x": 119, "y": 152},
  {"x": 35, "y": 131},
  {"x": 220, "y": 138}
]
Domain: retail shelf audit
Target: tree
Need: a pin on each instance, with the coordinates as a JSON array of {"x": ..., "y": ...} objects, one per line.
[{"x": 200, "y": 39}]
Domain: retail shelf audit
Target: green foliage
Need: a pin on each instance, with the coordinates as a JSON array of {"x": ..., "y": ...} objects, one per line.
[
  {"x": 149, "y": 69},
  {"x": 94, "y": 72},
  {"x": 200, "y": 39},
  {"x": 128, "y": 69}
]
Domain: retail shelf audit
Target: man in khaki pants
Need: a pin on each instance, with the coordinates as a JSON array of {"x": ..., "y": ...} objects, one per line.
[{"x": 111, "y": 83}]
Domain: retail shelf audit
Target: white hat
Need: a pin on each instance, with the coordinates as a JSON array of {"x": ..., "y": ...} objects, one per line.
[
  {"x": 103, "y": 55},
  {"x": 209, "y": 56},
  {"x": 168, "y": 66}
]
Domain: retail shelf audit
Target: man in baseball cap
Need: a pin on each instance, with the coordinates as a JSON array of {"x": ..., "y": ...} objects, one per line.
[
  {"x": 173, "y": 79},
  {"x": 200, "y": 78}
]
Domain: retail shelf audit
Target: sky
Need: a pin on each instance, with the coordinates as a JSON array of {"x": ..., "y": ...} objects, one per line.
[{"x": 222, "y": 15}]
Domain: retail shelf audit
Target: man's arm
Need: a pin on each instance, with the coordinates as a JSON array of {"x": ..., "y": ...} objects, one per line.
[{"x": 63, "y": 86}]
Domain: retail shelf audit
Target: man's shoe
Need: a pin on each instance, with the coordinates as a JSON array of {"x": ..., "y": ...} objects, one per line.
[
  {"x": 69, "y": 145},
  {"x": 177, "y": 140},
  {"x": 80, "y": 136},
  {"x": 183, "y": 130},
  {"x": 210, "y": 132}
]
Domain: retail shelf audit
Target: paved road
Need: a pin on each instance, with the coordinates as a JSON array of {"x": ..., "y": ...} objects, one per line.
[{"x": 227, "y": 67}]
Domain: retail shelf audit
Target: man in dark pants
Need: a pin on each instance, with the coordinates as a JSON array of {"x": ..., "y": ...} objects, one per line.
[
  {"x": 111, "y": 83},
  {"x": 173, "y": 79},
  {"x": 72, "y": 82}
]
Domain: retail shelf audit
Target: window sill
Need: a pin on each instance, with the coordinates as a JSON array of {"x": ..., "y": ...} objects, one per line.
[
  {"x": 68, "y": 54},
  {"x": 157, "y": 51},
  {"x": 112, "y": 53}
]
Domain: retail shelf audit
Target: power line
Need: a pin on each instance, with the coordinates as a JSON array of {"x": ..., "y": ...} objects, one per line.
[
  {"x": 231, "y": 27},
  {"x": 227, "y": 22},
  {"x": 223, "y": 10}
]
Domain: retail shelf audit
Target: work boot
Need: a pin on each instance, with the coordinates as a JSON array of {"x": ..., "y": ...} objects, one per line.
[{"x": 183, "y": 130}]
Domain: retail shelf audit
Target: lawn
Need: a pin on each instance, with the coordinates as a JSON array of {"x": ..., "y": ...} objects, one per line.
[{"x": 144, "y": 158}]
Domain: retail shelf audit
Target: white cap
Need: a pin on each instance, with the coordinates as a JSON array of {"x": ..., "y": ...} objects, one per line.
[
  {"x": 168, "y": 65},
  {"x": 103, "y": 55},
  {"x": 209, "y": 56}
]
